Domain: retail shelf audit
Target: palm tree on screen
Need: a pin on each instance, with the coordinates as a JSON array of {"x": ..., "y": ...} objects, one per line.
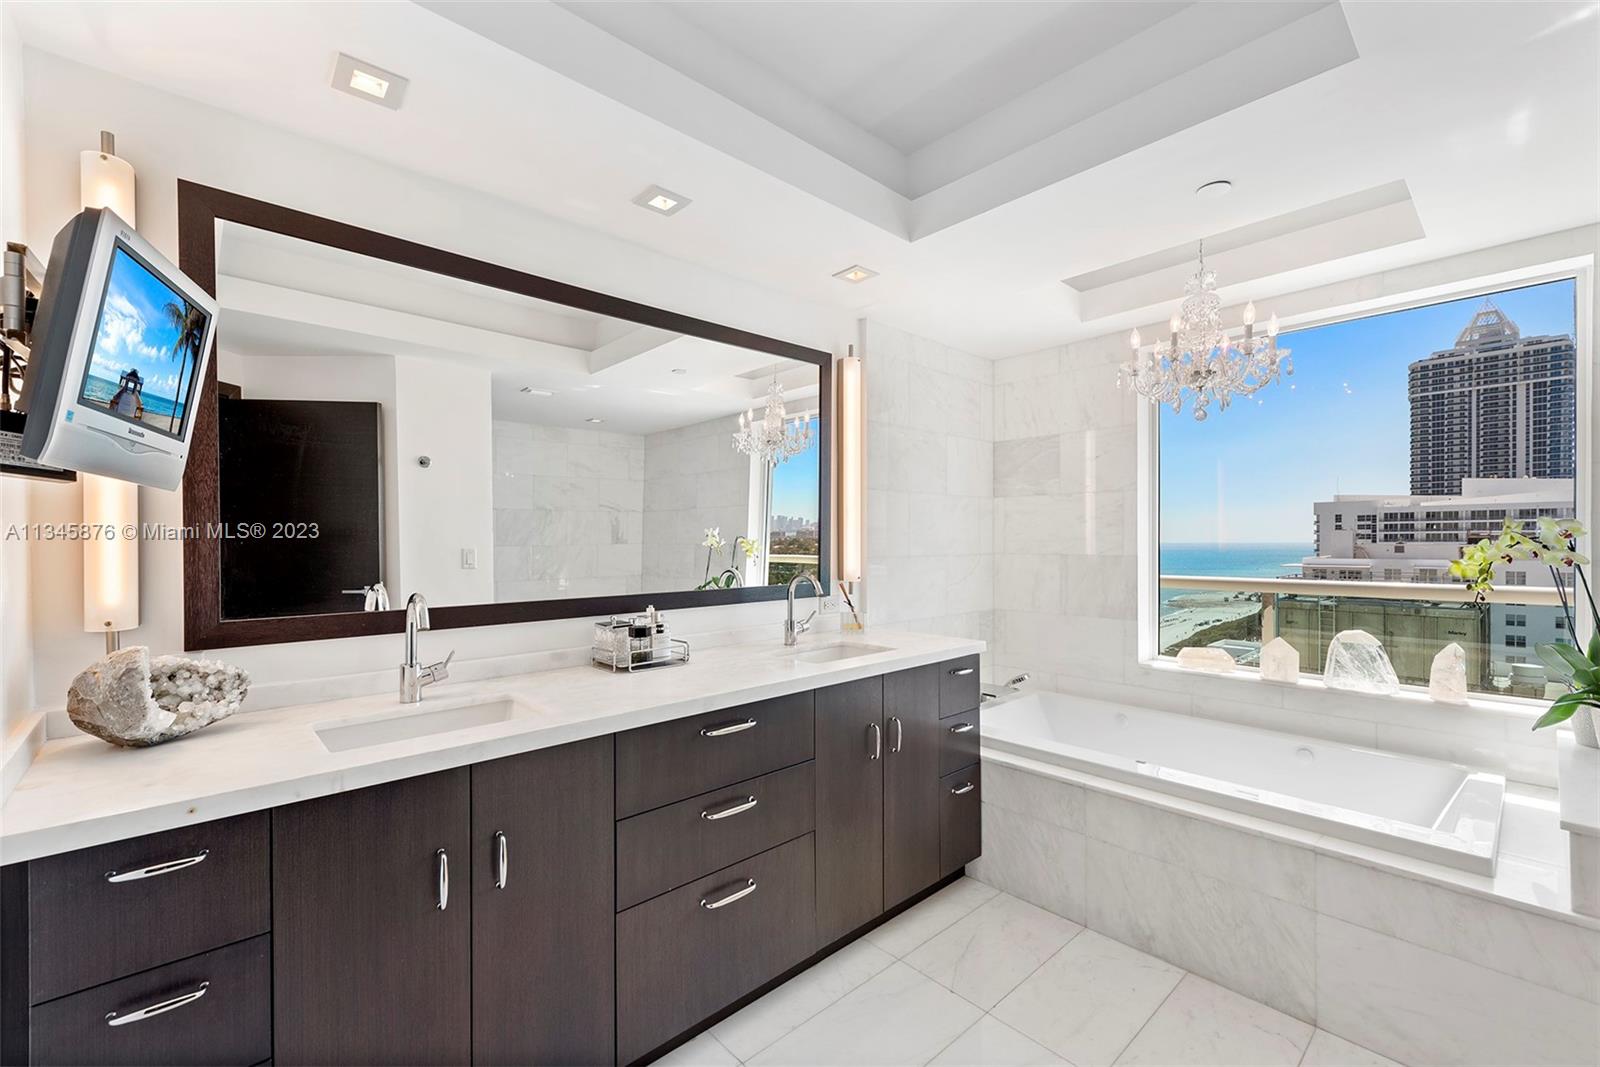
[{"x": 190, "y": 322}]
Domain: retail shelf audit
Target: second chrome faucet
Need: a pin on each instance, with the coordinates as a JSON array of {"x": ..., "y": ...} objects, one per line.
[
  {"x": 413, "y": 675},
  {"x": 791, "y": 629}
]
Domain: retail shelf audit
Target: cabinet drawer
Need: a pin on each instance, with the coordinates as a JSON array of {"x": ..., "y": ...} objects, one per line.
[
  {"x": 664, "y": 848},
  {"x": 103, "y": 912},
  {"x": 958, "y": 741},
  {"x": 688, "y": 953},
  {"x": 156, "y": 1018},
  {"x": 958, "y": 686},
  {"x": 960, "y": 818},
  {"x": 667, "y": 762}
]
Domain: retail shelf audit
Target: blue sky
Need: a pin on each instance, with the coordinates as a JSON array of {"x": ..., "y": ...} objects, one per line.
[
  {"x": 1340, "y": 425},
  {"x": 134, "y": 330},
  {"x": 794, "y": 481}
]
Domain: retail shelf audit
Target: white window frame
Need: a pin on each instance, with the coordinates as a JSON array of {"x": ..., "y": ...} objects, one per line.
[{"x": 1580, "y": 270}]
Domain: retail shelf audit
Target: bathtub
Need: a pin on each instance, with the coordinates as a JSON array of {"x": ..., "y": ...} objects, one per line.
[{"x": 1424, "y": 808}]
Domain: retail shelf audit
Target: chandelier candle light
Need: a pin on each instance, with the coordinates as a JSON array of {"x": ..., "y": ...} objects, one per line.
[
  {"x": 772, "y": 439},
  {"x": 1200, "y": 359}
]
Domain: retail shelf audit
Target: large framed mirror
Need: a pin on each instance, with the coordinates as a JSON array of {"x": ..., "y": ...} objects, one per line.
[{"x": 382, "y": 417}]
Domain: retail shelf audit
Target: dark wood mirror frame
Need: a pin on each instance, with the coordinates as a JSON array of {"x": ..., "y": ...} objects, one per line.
[{"x": 200, "y": 208}]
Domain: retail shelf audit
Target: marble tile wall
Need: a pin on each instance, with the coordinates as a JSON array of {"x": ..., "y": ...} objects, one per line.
[
  {"x": 694, "y": 479},
  {"x": 568, "y": 512},
  {"x": 930, "y": 492},
  {"x": 1065, "y": 581},
  {"x": 1414, "y": 970}
]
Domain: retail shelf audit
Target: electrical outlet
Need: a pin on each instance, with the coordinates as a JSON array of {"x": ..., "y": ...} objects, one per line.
[
  {"x": 829, "y": 605},
  {"x": 469, "y": 559}
]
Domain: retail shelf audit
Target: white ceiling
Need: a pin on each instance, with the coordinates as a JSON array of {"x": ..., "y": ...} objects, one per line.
[{"x": 974, "y": 154}]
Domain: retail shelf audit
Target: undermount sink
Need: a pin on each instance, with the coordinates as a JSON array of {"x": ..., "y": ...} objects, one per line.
[
  {"x": 412, "y": 722},
  {"x": 833, "y": 653}
]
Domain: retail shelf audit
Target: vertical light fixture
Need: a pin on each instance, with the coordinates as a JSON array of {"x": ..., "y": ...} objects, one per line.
[
  {"x": 110, "y": 505},
  {"x": 850, "y": 497}
]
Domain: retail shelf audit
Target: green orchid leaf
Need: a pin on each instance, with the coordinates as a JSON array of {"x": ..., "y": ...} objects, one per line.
[
  {"x": 1594, "y": 648},
  {"x": 1560, "y": 669},
  {"x": 1564, "y": 708},
  {"x": 1583, "y": 672}
]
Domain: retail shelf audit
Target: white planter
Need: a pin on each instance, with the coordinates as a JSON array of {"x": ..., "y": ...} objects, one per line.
[{"x": 1583, "y": 727}]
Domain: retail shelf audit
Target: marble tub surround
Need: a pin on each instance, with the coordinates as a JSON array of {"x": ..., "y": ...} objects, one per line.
[
  {"x": 81, "y": 792},
  {"x": 1419, "y": 962},
  {"x": 1580, "y": 818},
  {"x": 973, "y": 976}
]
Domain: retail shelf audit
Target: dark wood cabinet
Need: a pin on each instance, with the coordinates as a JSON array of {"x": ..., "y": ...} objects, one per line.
[
  {"x": 850, "y": 751},
  {"x": 372, "y": 932},
  {"x": 543, "y": 922},
  {"x": 913, "y": 736},
  {"x": 958, "y": 686},
  {"x": 960, "y": 818}
]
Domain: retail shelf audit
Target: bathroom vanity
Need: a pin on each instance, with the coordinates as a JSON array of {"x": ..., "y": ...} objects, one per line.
[{"x": 591, "y": 877}]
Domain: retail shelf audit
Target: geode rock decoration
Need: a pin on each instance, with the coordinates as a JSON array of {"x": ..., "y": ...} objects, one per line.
[{"x": 132, "y": 700}]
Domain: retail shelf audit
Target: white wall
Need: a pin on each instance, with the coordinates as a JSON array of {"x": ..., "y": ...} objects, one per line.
[
  {"x": 166, "y": 137},
  {"x": 1066, "y": 537},
  {"x": 16, "y": 638},
  {"x": 694, "y": 481},
  {"x": 930, "y": 504}
]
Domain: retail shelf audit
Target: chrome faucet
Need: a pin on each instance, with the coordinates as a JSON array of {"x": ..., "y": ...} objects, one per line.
[
  {"x": 413, "y": 675},
  {"x": 791, "y": 629}
]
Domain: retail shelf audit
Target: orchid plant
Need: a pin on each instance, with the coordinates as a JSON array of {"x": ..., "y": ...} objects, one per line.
[
  {"x": 1556, "y": 545},
  {"x": 729, "y": 576}
]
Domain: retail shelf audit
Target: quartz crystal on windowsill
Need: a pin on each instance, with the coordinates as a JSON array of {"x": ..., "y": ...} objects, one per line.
[
  {"x": 129, "y": 699},
  {"x": 1214, "y": 660},
  {"x": 1357, "y": 663},
  {"x": 1447, "y": 678},
  {"x": 1280, "y": 662}
]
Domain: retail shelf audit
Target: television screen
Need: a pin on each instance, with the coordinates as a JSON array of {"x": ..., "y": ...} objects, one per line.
[{"x": 146, "y": 349}]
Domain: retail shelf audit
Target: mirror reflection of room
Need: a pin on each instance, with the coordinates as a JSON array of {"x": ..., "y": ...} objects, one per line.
[{"x": 426, "y": 433}]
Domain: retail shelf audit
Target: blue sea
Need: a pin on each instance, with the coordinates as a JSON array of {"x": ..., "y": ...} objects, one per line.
[
  {"x": 102, "y": 390},
  {"x": 1263, "y": 560}
]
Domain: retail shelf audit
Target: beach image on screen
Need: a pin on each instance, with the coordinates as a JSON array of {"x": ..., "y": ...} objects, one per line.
[{"x": 146, "y": 348}]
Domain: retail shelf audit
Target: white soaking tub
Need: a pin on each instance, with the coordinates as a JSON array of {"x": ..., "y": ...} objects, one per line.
[{"x": 1420, "y": 807}]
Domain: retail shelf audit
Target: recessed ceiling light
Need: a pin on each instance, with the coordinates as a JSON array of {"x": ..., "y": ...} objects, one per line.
[
  {"x": 1213, "y": 190},
  {"x": 856, "y": 273},
  {"x": 372, "y": 83},
  {"x": 535, "y": 392},
  {"x": 680, "y": 370},
  {"x": 662, "y": 201},
  {"x": 597, "y": 422}
]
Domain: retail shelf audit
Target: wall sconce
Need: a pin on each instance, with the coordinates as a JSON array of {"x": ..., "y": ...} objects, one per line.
[
  {"x": 110, "y": 505},
  {"x": 850, "y": 496}
]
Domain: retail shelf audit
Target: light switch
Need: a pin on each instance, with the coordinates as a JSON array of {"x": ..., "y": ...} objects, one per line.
[{"x": 469, "y": 559}]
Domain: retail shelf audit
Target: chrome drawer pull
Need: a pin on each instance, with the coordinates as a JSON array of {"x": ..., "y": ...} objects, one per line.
[
  {"x": 502, "y": 859},
  {"x": 877, "y": 741},
  {"x": 444, "y": 879},
  {"x": 713, "y": 814},
  {"x": 113, "y": 1019},
  {"x": 158, "y": 868},
  {"x": 962, "y": 672},
  {"x": 899, "y": 733},
  {"x": 738, "y": 894},
  {"x": 727, "y": 728},
  {"x": 961, "y": 728},
  {"x": 962, "y": 790}
]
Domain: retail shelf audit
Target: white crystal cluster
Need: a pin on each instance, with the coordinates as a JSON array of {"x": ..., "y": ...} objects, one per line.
[
  {"x": 1358, "y": 663},
  {"x": 129, "y": 699}
]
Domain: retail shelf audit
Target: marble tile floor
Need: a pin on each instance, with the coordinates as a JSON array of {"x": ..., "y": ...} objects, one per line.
[{"x": 974, "y": 976}]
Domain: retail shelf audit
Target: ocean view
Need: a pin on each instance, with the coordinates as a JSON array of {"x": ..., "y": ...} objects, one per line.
[
  {"x": 1264, "y": 560},
  {"x": 103, "y": 389}
]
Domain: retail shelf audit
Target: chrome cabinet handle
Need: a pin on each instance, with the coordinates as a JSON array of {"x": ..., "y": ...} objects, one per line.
[
  {"x": 962, "y": 672},
  {"x": 158, "y": 868},
  {"x": 738, "y": 894},
  {"x": 727, "y": 728},
  {"x": 114, "y": 1019},
  {"x": 963, "y": 789},
  {"x": 502, "y": 859},
  {"x": 877, "y": 740},
  {"x": 899, "y": 733},
  {"x": 962, "y": 728},
  {"x": 713, "y": 814},
  {"x": 444, "y": 879}
]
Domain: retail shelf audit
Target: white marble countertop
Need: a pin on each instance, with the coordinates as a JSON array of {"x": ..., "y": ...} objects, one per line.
[
  {"x": 81, "y": 791},
  {"x": 1580, "y": 786}
]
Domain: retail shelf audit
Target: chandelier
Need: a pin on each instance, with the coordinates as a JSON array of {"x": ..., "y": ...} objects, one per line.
[
  {"x": 771, "y": 439},
  {"x": 1199, "y": 358}
]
